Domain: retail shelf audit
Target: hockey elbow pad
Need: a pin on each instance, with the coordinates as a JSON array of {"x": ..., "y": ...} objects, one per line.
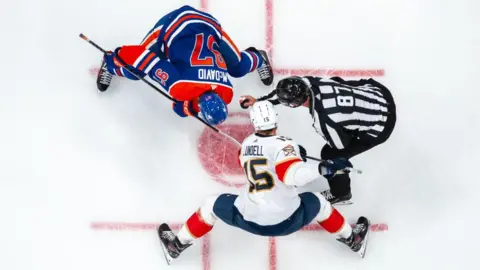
[{"x": 184, "y": 108}]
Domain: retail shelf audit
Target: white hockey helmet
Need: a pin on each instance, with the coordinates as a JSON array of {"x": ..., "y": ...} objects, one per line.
[{"x": 263, "y": 116}]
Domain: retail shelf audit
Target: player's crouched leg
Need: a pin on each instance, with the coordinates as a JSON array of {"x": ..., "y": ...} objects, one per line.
[
  {"x": 199, "y": 223},
  {"x": 330, "y": 219}
]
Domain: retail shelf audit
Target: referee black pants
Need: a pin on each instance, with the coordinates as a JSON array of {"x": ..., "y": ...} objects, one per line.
[{"x": 340, "y": 184}]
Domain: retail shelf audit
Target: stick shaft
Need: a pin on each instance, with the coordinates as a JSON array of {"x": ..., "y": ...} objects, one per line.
[
  {"x": 82, "y": 36},
  {"x": 349, "y": 169}
]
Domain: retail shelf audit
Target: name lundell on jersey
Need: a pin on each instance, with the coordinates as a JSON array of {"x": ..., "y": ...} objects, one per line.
[
  {"x": 213, "y": 75},
  {"x": 253, "y": 150}
]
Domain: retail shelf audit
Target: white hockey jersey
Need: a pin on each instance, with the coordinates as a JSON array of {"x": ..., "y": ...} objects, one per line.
[{"x": 273, "y": 167}]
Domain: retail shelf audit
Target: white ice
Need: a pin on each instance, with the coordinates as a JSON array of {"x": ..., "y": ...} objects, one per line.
[{"x": 70, "y": 156}]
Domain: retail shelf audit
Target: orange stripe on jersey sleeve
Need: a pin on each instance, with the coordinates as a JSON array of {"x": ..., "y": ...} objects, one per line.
[
  {"x": 151, "y": 38},
  {"x": 146, "y": 61},
  {"x": 282, "y": 168},
  {"x": 234, "y": 47},
  {"x": 187, "y": 17}
]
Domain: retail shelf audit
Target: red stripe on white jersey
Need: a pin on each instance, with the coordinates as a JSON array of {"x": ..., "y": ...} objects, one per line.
[
  {"x": 197, "y": 226},
  {"x": 282, "y": 168},
  {"x": 334, "y": 222}
]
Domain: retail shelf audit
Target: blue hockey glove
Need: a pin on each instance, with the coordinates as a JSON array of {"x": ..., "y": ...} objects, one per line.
[
  {"x": 332, "y": 166},
  {"x": 116, "y": 65},
  {"x": 108, "y": 58},
  {"x": 184, "y": 108}
]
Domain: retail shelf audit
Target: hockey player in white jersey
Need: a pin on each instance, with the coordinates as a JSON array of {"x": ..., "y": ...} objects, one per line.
[{"x": 270, "y": 205}]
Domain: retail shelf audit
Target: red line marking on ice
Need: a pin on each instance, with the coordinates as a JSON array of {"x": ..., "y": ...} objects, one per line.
[
  {"x": 134, "y": 226},
  {"x": 272, "y": 242},
  {"x": 269, "y": 28},
  {"x": 269, "y": 44},
  {"x": 206, "y": 252},
  {"x": 145, "y": 226},
  {"x": 205, "y": 246},
  {"x": 378, "y": 227},
  {"x": 272, "y": 253},
  {"x": 331, "y": 72},
  {"x": 269, "y": 47},
  {"x": 204, "y": 5}
]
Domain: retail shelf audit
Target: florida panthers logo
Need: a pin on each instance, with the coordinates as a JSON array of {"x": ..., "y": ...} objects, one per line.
[{"x": 161, "y": 76}]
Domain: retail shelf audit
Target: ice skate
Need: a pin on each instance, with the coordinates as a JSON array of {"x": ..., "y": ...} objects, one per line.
[
  {"x": 265, "y": 71},
  {"x": 170, "y": 244},
  {"x": 104, "y": 78},
  {"x": 357, "y": 242},
  {"x": 341, "y": 200}
]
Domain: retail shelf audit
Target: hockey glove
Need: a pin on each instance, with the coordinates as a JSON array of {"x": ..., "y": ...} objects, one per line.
[
  {"x": 332, "y": 166},
  {"x": 303, "y": 153},
  {"x": 108, "y": 58},
  {"x": 127, "y": 56},
  {"x": 184, "y": 108}
]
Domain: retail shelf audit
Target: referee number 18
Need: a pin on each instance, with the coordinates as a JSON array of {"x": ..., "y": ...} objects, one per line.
[
  {"x": 345, "y": 101},
  {"x": 345, "y": 96}
]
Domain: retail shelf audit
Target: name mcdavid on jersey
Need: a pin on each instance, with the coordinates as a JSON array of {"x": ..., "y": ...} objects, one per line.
[{"x": 212, "y": 75}]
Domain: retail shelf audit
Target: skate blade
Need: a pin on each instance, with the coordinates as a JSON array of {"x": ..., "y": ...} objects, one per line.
[
  {"x": 363, "y": 249},
  {"x": 168, "y": 258},
  {"x": 347, "y": 202}
]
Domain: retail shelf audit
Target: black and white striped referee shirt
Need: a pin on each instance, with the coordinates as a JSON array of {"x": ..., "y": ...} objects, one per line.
[{"x": 342, "y": 110}]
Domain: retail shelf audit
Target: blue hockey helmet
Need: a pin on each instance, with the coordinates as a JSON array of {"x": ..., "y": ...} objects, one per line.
[{"x": 213, "y": 108}]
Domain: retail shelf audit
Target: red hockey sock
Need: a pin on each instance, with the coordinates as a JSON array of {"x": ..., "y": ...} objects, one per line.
[
  {"x": 196, "y": 226},
  {"x": 334, "y": 223}
]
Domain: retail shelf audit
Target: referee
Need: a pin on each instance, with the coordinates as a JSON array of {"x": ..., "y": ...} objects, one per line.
[{"x": 352, "y": 117}]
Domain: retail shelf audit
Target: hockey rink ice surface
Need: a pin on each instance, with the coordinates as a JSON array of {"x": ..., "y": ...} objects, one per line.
[{"x": 86, "y": 177}]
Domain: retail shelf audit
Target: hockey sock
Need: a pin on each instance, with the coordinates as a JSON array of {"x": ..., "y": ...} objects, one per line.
[
  {"x": 249, "y": 62},
  {"x": 194, "y": 228},
  {"x": 336, "y": 224},
  {"x": 254, "y": 58}
]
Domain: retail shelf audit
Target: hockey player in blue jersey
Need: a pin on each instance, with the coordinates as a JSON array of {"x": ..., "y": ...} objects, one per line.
[{"x": 190, "y": 55}]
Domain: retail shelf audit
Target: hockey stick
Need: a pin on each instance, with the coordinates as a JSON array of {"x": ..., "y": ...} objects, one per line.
[
  {"x": 348, "y": 169},
  {"x": 82, "y": 36}
]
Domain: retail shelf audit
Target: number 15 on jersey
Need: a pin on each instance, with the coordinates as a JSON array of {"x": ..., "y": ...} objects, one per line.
[{"x": 259, "y": 180}]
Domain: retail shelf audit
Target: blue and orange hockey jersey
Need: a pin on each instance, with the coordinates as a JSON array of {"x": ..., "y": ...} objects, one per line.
[{"x": 188, "y": 53}]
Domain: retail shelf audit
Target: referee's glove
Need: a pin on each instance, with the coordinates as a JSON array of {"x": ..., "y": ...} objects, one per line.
[{"x": 332, "y": 166}]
